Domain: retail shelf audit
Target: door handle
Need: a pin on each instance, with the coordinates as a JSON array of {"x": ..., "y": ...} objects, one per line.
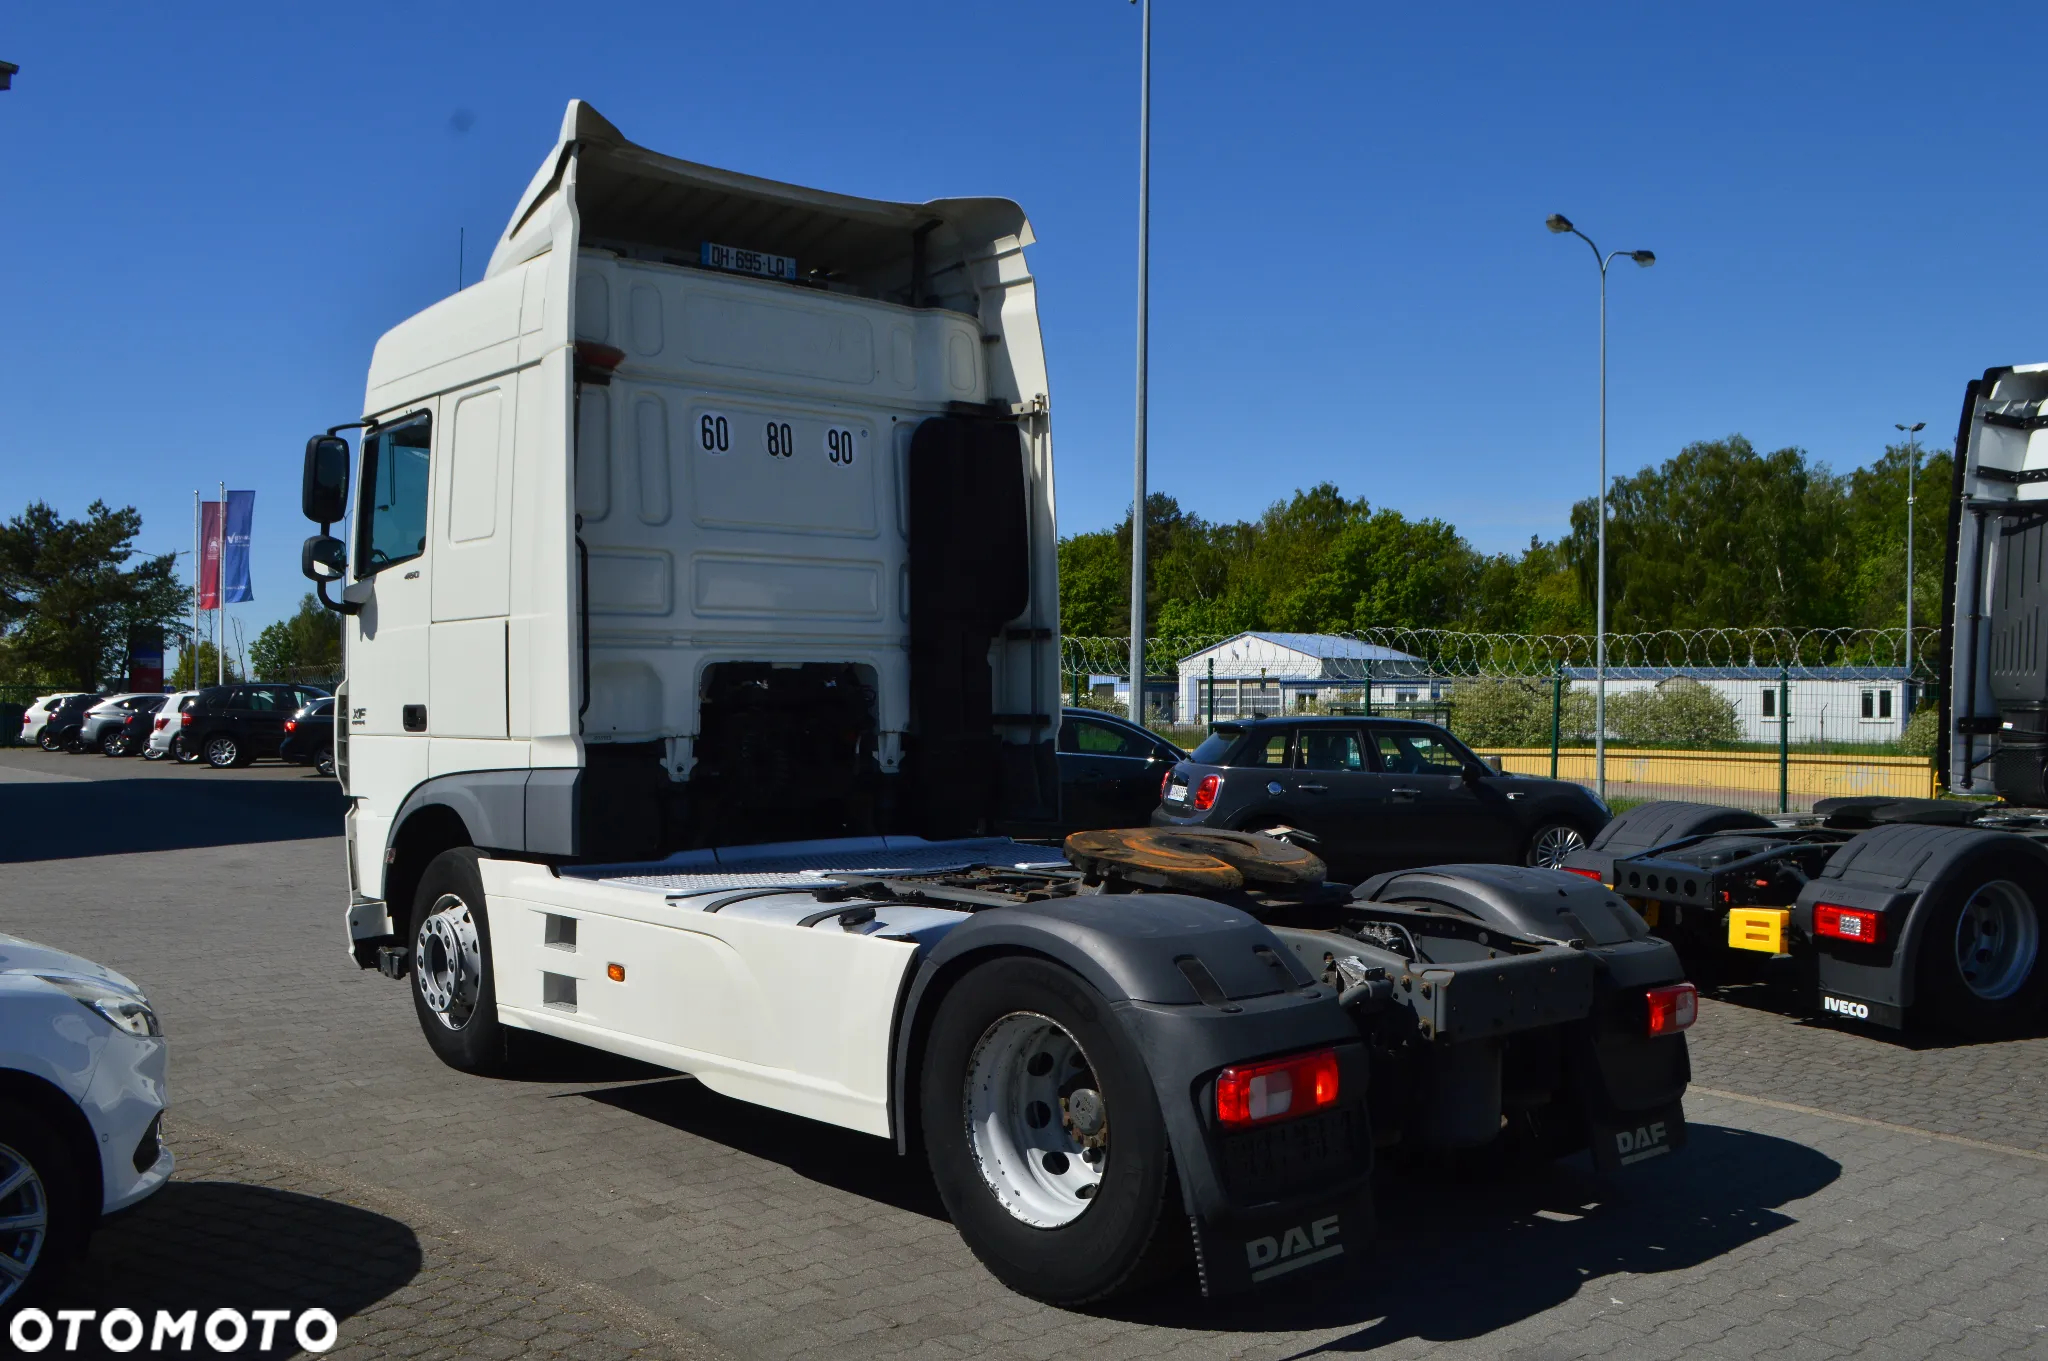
[
  {"x": 1313, "y": 788},
  {"x": 1406, "y": 793}
]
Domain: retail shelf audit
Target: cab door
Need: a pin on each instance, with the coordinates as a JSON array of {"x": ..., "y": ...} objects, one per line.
[{"x": 392, "y": 569}]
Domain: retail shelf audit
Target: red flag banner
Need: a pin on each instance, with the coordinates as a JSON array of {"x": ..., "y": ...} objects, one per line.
[{"x": 209, "y": 555}]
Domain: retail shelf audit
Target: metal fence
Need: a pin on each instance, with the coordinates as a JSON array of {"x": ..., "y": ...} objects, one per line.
[{"x": 1766, "y": 719}]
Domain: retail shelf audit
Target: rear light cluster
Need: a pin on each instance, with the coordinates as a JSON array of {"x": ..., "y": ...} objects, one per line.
[
  {"x": 1165, "y": 783},
  {"x": 1206, "y": 791},
  {"x": 291, "y": 725},
  {"x": 1257, "y": 1093},
  {"x": 184, "y": 720},
  {"x": 1847, "y": 923},
  {"x": 1672, "y": 1008},
  {"x": 1594, "y": 875}
]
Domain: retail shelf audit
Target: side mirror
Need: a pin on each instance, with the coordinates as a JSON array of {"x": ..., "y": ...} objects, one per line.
[
  {"x": 323, "y": 495},
  {"x": 323, "y": 558}
]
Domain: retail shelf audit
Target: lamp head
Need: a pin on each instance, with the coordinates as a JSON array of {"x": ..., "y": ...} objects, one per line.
[
  {"x": 1558, "y": 222},
  {"x": 1915, "y": 427},
  {"x": 1643, "y": 258}
]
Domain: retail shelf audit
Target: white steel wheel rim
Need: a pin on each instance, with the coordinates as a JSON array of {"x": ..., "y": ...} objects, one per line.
[
  {"x": 1553, "y": 844},
  {"x": 448, "y": 962},
  {"x": 1998, "y": 939},
  {"x": 24, "y": 1220},
  {"x": 1037, "y": 1126}
]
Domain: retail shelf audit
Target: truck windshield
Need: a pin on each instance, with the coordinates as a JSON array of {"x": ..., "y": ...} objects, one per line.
[{"x": 395, "y": 495}]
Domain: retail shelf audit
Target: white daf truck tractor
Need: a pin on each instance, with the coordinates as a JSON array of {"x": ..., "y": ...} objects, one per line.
[
  {"x": 1900, "y": 913},
  {"x": 700, "y": 595}
]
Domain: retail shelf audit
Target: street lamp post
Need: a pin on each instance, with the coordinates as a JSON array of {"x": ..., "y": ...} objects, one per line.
[
  {"x": 1558, "y": 222},
  {"x": 1137, "y": 714},
  {"x": 1912, "y": 481}
]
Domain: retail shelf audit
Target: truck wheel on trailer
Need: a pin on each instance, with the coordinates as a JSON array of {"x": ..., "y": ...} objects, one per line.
[
  {"x": 1980, "y": 965},
  {"x": 452, "y": 986},
  {"x": 1045, "y": 1136}
]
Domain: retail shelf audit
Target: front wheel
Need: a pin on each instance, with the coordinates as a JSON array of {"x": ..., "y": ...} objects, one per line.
[
  {"x": 1044, "y": 1135},
  {"x": 1552, "y": 843},
  {"x": 453, "y": 990},
  {"x": 1981, "y": 966},
  {"x": 43, "y": 1208}
]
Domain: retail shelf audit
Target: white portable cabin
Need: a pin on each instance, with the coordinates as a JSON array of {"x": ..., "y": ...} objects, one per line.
[{"x": 634, "y": 562}]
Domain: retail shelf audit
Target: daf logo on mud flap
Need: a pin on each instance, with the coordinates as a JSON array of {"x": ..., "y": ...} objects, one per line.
[
  {"x": 1296, "y": 1248},
  {"x": 1645, "y": 1141},
  {"x": 1842, "y": 1006}
]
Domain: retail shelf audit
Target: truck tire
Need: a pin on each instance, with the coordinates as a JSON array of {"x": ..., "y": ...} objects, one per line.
[
  {"x": 1044, "y": 1134},
  {"x": 1981, "y": 966},
  {"x": 453, "y": 990},
  {"x": 47, "y": 1209}
]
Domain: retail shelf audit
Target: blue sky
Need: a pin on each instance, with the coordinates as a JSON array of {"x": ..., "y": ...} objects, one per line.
[{"x": 210, "y": 217}]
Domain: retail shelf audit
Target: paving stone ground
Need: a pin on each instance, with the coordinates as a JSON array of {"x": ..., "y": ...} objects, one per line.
[{"x": 617, "y": 1209}]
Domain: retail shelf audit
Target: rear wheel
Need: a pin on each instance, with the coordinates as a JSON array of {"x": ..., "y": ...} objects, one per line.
[
  {"x": 223, "y": 750},
  {"x": 453, "y": 990},
  {"x": 1044, "y": 1135},
  {"x": 182, "y": 749},
  {"x": 1552, "y": 842},
  {"x": 1981, "y": 967},
  {"x": 43, "y": 1208},
  {"x": 47, "y": 740},
  {"x": 114, "y": 743}
]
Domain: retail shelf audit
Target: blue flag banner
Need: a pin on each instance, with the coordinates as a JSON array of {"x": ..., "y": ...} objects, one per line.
[{"x": 234, "y": 557}]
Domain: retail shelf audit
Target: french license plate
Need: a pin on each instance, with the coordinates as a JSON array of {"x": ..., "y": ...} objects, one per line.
[
  {"x": 1177, "y": 793},
  {"x": 741, "y": 261}
]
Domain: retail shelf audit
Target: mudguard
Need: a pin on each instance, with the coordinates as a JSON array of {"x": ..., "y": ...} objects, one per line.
[
  {"x": 1197, "y": 986},
  {"x": 1896, "y": 870},
  {"x": 1650, "y": 825}
]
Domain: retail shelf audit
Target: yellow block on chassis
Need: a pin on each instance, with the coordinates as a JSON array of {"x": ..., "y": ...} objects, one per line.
[{"x": 1758, "y": 928}]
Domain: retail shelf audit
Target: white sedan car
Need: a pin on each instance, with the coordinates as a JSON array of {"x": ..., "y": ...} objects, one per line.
[{"x": 81, "y": 1106}]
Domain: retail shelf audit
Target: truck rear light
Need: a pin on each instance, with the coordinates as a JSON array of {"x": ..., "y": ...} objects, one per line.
[
  {"x": 1594, "y": 875},
  {"x": 1256, "y": 1093},
  {"x": 1847, "y": 923},
  {"x": 1672, "y": 1008},
  {"x": 1205, "y": 792}
]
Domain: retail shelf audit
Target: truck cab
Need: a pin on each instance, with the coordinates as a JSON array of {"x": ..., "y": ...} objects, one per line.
[{"x": 719, "y": 511}]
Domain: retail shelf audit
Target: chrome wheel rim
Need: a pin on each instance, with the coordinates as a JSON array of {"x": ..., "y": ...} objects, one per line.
[
  {"x": 1553, "y": 845},
  {"x": 220, "y": 751},
  {"x": 1998, "y": 938},
  {"x": 24, "y": 1220},
  {"x": 1036, "y": 1122},
  {"x": 448, "y": 962}
]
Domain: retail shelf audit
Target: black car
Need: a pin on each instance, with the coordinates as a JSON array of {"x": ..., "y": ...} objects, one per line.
[
  {"x": 60, "y": 733},
  {"x": 1377, "y": 794},
  {"x": 1110, "y": 770},
  {"x": 309, "y": 735},
  {"x": 232, "y": 725}
]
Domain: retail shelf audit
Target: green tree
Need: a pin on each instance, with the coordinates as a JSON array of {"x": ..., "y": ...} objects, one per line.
[
  {"x": 209, "y": 668},
  {"x": 69, "y": 596},
  {"x": 295, "y": 648}
]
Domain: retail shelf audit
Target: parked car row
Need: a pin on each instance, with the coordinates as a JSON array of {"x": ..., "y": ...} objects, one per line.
[{"x": 223, "y": 725}]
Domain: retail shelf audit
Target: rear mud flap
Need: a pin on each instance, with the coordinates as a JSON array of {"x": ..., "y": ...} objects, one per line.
[
  {"x": 1246, "y": 1251},
  {"x": 1638, "y": 1137}
]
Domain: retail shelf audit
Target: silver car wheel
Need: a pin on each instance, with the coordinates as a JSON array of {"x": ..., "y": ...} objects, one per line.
[
  {"x": 1036, "y": 1121},
  {"x": 1998, "y": 938},
  {"x": 24, "y": 1220},
  {"x": 448, "y": 962},
  {"x": 1551, "y": 846}
]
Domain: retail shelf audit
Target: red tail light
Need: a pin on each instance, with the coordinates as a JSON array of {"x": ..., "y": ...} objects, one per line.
[
  {"x": 1205, "y": 793},
  {"x": 1847, "y": 923},
  {"x": 1255, "y": 1093},
  {"x": 162, "y": 723},
  {"x": 291, "y": 725},
  {"x": 184, "y": 720},
  {"x": 1672, "y": 1008},
  {"x": 1594, "y": 875},
  {"x": 1165, "y": 782}
]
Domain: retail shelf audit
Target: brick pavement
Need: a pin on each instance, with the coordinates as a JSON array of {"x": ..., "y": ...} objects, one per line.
[{"x": 1777, "y": 1233}]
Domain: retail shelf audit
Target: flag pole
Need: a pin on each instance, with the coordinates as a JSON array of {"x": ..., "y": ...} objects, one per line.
[
  {"x": 192, "y": 640},
  {"x": 220, "y": 601}
]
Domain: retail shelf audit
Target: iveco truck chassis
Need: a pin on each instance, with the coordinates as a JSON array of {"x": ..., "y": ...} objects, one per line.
[
  {"x": 1885, "y": 910},
  {"x": 700, "y": 591}
]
